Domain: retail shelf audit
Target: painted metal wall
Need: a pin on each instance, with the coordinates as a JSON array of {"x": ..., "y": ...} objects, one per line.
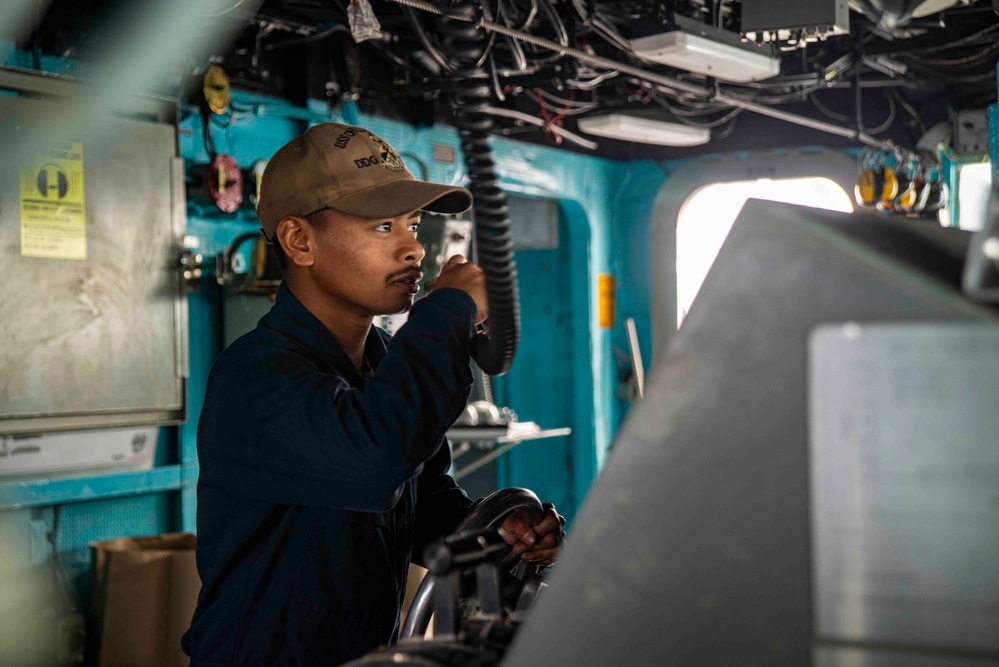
[{"x": 42, "y": 517}]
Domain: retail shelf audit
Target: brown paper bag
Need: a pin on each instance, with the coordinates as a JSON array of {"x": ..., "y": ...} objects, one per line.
[{"x": 144, "y": 593}]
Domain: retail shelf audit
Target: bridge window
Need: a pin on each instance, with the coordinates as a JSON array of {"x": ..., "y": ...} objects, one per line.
[
  {"x": 708, "y": 214},
  {"x": 974, "y": 183}
]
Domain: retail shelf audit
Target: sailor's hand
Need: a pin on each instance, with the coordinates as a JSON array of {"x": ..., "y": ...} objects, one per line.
[
  {"x": 538, "y": 544},
  {"x": 462, "y": 274}
]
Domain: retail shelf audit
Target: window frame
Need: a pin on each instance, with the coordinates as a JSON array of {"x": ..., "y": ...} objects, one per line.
[{"x": 837, "y": 166}]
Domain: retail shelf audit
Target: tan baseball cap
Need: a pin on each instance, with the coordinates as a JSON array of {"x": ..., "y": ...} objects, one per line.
[{"x": 351, "y": 170}]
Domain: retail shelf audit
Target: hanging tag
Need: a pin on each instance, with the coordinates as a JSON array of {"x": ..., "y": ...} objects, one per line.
[{"x": 364, "y": 24}]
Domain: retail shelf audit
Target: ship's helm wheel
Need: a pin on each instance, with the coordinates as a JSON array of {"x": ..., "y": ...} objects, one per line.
[{"x": 492, "y": 511}]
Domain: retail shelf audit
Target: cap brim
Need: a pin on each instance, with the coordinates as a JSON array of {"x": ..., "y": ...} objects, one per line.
[{"x": 390, "y": 200}]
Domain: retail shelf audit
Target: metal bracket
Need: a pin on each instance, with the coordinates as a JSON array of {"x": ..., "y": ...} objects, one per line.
[
  {"x": 190, "y": 264},
  {"x": 508, "y": 436}
]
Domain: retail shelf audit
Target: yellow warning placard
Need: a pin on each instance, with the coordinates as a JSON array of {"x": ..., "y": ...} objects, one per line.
[
  {"x": 53, "y": 210},
  {"x": 606, "y": 297}
]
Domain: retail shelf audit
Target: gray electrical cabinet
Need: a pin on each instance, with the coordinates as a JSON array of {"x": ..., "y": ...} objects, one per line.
[{"x": 93, "y": 319}]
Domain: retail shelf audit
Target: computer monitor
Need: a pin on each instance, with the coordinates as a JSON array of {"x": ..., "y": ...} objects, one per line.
[{"x": 812, "y": 477}]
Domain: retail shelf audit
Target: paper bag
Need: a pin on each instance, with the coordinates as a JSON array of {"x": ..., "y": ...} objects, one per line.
[{"x": 144, "y": 593}]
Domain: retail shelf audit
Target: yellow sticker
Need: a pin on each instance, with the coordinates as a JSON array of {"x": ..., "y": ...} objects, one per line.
[
  {"x": 53, "y": 210},
  {"x": 606, "y": 297}
]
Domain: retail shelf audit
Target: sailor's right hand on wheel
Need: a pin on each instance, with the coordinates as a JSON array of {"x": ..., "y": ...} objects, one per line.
[
  {"x": 461, "y": 274},
  {"x": 536, "y": 542}
]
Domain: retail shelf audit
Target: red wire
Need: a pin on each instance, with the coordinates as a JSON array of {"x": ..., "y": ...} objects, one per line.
[
  {"x": 550, "y": 135},
  {"x": 355, "y": 61},
  {"x": 631, "y": 90}
]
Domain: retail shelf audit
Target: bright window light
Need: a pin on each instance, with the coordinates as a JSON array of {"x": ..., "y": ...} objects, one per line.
[
  {"x": 974, "y": 185},
  {"x": 708, "y": 214}
]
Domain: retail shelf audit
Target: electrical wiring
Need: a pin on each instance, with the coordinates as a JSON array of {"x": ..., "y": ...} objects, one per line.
[
  {"x": 783, "y": 82},
  {"x": 231, "y": 118},
  {"x": 888, "y": 121},
  {"x": 904, "y": 103},
  {"x": 549, "y": 122},
  {"x": 976, "y": 57},
  {"x": 488, "y": 50},
  {"x": 686, "y": 119},
  {"x": 687, "y": 113},
  {"x": 949, "y": 77},
  {"x": 398, "y": 61},
  {"x": 570, "y": 107},
  {"x": 690, "y": 108},
  {"x": 591, "y": 83},
  {"x": 206, "y": 131},
  {"x": 504, "y": 13},
  {"x": 530, "y": 15},
  {"x": 826, "y": 111},
  {"x": 421, "y": 34},
  {"x": 617, "y": 10},
  {"x": 520, "y": 58},
  {"x": 568, "y": 135},
  {"x": 561, "y": 33},
  {"x": 727, "y": 132},
  {"x": 355, "y": 63},
  {"x": 560, "y": 29},
  {"x": 987, "y": 76},
  {"x": 565, "y": 110},
  {"x": 316, "y": 36},
  {"x": 654, "y": 77},
  {"x": 611, "y": 35},
  {"x": 561, "y": 100},
  {"x": 495, "y": 82},
  {"x": 423, "y": 71},
  {"x": 527, "y": 36},
  {"x": 596, "y": 61},
  {"x": 507, "y": 18},
  {"x": 796, "y": 96},
  {"x": 936, "y": 48}
]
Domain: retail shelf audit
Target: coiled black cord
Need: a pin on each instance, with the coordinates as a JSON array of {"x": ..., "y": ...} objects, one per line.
[{"x": 470, "y": 92}]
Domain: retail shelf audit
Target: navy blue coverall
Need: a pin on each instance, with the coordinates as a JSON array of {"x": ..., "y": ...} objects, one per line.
[{"x": 317, "y": 483}]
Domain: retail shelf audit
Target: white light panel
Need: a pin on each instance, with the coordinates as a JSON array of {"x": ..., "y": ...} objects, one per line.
[
  {"x": 644, "y": 130},
  {"x": 694, "y": 53}
]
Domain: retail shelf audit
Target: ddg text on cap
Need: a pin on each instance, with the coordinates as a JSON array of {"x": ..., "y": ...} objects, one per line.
[{"x": 351, "y": 170}]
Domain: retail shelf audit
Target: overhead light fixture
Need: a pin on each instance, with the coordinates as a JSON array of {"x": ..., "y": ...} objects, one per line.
[
  {"x": 702, "y": 55},
  {"x": 644, "y": 130}
]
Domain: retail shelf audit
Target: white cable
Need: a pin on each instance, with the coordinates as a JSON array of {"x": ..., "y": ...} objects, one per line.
[
  {"x": 652, "y": 77},
  {"x": 591, "y": 83},
  {"x": 534, "y": 120}
]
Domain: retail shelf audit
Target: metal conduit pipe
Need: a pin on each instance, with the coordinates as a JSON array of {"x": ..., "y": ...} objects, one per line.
[
  {"x": 831, "y": 128},
  {"x": 652, "y": 77}
]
